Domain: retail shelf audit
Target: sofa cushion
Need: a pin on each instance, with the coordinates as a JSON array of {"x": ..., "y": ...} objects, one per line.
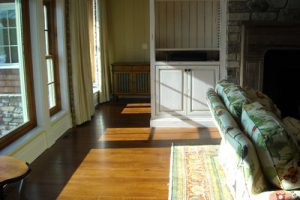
[
  {"x": 221, "y": 115},
  {"x": 262, "y": 98},
  {"x": 293, "y": 127},
  {"x": 277, "y": 151},
  {"x": 233, "y": 96}
]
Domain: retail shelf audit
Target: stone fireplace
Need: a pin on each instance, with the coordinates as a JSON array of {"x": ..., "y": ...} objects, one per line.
[
  {"x": 241, "y": 12},
  {"x": 281, "y": 79},
  {"x": 260, "y": 33},
  {"x": 257, "y": 40},
  {"x": 270, "y": 62}
]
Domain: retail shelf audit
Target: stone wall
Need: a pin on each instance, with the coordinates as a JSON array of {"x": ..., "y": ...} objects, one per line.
[
  {"x": 11, "y": 114},
  {"x": 240, "y": 11}
]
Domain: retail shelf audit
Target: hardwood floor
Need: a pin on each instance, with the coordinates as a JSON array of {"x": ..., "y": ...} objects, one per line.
[{"x": 114, "y": 156}]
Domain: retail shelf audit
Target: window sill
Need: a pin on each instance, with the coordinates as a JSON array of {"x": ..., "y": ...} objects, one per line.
[{"x": 22, "y": 141}]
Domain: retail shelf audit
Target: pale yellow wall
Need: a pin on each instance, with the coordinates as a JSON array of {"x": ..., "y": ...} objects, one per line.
[{"x": 129, "y": 30}]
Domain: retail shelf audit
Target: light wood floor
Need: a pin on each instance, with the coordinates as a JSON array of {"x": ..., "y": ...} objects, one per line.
[
  {"x": 129, "y": 173},
  {"x": 115, "y": 156}
]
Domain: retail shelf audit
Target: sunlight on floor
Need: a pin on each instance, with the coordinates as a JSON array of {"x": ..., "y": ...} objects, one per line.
[
  {"x": 137, "y": 108},
  {"x": 132, "y": 173},
  {"x": 144, "y": 134},
  {"x": 125, "y": 134}
]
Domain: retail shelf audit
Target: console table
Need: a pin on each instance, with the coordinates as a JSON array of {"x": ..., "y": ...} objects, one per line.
[{"x": 131, "y": 79}]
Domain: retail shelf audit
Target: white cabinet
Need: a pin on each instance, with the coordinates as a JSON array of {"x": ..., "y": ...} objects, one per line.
[{"x": 181, "y": 89}]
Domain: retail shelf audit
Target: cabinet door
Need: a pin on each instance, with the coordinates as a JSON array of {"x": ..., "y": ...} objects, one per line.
[
  {"x": 170, "y": 93},
  {"x": 200, "y": 79}
]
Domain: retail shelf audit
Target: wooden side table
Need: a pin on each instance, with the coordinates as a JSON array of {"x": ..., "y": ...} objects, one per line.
[{"x": 12, "y": 170}]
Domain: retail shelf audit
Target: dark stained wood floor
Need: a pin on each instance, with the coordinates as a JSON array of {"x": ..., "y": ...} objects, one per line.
[{"x": 117, "y": 131}]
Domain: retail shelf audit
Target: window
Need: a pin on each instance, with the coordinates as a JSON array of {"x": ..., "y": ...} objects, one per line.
[
  {"x": 51, "y": 57},
  {"x": 17, "y": 111},
  {"x": 93, "y": 25}
]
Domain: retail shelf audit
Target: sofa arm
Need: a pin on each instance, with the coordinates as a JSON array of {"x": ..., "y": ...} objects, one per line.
[
  {"x": 237, "y": 154},
  {"x": 222, "y": 117},
  {"x": 242, "y": 165}
]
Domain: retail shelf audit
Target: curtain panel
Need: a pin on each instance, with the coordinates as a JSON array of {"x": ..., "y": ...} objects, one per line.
[
  {"x": 82, "y": 106},
  {"x": 103, "y": 51}
]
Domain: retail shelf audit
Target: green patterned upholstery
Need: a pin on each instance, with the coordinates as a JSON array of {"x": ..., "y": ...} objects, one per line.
[
  {"x": 262, "y": 98},
  {"x": 233, "y": 96},
  {"x": 293, "y": 127},
  {"x": 237, "y": 154},
  {"x": 239, "y": 157},
  {"x": 277, "y": 151}
]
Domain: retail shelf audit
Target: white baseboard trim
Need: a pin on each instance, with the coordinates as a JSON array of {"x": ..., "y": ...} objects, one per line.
[{"x": 206, "y": 122}]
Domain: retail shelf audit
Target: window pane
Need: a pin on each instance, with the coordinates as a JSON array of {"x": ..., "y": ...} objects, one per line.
[
  {"x": 7, "y": 53},
  {"x": 3, "y": 18},
  {"x": 50, "y": 71},
  {"x": 45, "y": 18},
  {"x": 13, "y": 36},
  {"x": 13, "y": 99},
  {"x": 2, "y": 55},
  {"x": 14, "y": 54},
  {"x": 51, "y": 90},
  {"x": 4, "y": 36},
  {"x": 11, "y": 18},
  {"x": 47, "y": 42}
]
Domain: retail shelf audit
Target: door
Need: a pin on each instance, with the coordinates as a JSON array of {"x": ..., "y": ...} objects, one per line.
[
  {"x": 200, "y": 79},
  {"x": 170, "y": 90}
]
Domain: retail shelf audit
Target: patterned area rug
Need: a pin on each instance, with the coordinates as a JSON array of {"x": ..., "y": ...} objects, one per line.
[{"x": 196, "y": 174}]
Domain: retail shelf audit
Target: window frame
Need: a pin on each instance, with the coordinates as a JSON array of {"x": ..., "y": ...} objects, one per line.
[
  {"x": 53, "y": 54},
  {"x": 32, "y": 122}
]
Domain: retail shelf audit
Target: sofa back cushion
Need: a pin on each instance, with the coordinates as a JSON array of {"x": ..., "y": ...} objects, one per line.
[
  {"x": 262, "y": 98},
  {"x": 277, "y": 151},
  {"x": 293, "y": 127},
  {"x": 233, "y": 96}
]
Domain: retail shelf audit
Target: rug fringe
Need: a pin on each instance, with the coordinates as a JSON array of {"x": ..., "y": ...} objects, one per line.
[{"x": 170, "y": 173}]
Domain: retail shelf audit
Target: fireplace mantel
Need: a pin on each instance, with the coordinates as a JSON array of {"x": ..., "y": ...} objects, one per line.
[{"x": 257, "y": 39}]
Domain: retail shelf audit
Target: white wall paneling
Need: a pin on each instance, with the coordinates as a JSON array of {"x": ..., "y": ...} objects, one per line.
[{"x": 187, "y": 24}]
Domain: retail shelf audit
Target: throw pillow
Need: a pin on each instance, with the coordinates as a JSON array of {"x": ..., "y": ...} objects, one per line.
[
  {"x": 262, "y": 98},
  {"x": 233, "y": 96},
  {"x": 277, "y": 151},
  {"x": 293, "y": 127}
]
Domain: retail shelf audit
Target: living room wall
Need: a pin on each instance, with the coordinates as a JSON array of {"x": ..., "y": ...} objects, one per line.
[
  {"x": 129, "y": 30},
  {"x": 241, "y": 11}
]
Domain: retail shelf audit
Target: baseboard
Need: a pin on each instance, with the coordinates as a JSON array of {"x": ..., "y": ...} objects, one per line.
[{"x": 206, "y": 122}]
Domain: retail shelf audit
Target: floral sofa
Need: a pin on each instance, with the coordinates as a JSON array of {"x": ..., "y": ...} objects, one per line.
[{"x": 259, "y": 153}]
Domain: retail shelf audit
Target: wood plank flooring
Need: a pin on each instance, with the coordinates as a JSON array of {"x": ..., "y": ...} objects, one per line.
[{"x": 114, "y": 156}]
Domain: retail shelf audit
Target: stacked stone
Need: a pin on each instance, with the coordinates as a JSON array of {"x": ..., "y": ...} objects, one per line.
[
  {"x": 241, "y": 11},
  {"x": 11, "y": 113}
]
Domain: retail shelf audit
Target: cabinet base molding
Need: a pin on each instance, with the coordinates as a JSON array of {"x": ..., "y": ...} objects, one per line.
[{"x": 207, "y": 122}]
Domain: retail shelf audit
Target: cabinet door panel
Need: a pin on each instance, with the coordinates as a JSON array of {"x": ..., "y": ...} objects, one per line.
[
  {"x": 170, "y": 87},
  {"x": 201, "y": 79}
]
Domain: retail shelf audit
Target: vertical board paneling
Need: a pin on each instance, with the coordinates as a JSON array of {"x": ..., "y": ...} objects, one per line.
[
  {"x": 215, "y": 23},
  {"x": 163, "y": 24},
  {"x": 185, "y": 24},
  {"x": 178, "y": 24},
  {"x": 201, "y": 25},
  {"x": 193, "y": 24},
  {"x": 170, "y": 24},
  {"x": 157, "y": 24},
  {"x": 208, "y": 24}
]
